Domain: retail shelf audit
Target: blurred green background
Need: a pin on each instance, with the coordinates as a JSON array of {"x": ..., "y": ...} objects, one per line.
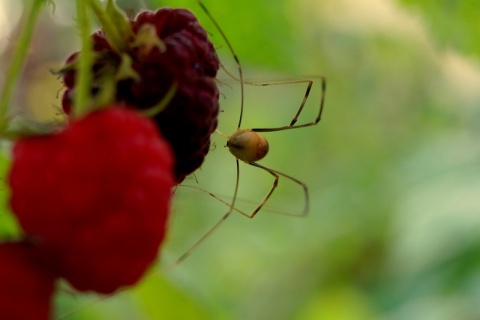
[{"x": 393, "y": 168}]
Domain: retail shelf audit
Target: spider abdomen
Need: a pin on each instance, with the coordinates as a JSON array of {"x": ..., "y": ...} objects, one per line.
[{"x": 248, "y": 145}]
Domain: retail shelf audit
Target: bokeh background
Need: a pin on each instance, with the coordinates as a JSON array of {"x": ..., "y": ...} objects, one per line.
[{"x": 393, "y": 168}]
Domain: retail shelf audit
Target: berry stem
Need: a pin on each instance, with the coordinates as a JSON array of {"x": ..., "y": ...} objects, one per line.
[
  {"x": 113, "y": 23},
  {"x": 82, "y": 89},
  {"x": 17, "y": 63},
  {"x": 153, "y": 111}
]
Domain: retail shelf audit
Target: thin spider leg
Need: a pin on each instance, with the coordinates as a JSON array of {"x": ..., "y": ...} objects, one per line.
[
  {"x": 215, "y": 197},
  {"x": 89, "y": 304},
  {"x": 267, "y": 196},
  {"x": 259, "y": 206},
  {"x": 237, "y": 61},
  {"x": 210, "y": 231},
  {"x": 236, "y": 208},
  {"x": 304, "y": 100},
  {"x": 197, "y": 244},
  {"x": 305, "y": 97},
  {"x": 277, "y": 174}
]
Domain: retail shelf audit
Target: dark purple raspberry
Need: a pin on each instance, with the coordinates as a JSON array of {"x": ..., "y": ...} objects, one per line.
[{"x": 189, "y": 60}]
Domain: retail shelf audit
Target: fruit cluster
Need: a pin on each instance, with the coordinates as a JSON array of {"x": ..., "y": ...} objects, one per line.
[
  {"x": 93, "y": 198},
  {"x": 169, "y": 47},
  {"x": 93, "y": 203}
]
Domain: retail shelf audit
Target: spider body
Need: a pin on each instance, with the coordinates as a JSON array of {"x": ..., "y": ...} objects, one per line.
[{"x": 247, "y": 145}]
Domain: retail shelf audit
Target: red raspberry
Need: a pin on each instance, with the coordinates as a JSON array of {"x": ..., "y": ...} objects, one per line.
[
  {"x": 188, "y": 59},
  {"x": 25, "y": 287},
  {"x": 96, "y": 196}
]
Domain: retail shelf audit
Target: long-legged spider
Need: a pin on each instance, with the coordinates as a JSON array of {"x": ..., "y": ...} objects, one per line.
[{"x": 249, "y": 146}]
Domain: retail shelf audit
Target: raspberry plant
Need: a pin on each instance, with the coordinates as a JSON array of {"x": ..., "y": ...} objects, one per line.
[{"x": 92, "y": 196}]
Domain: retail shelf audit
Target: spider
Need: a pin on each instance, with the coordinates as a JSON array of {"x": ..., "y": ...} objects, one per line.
[{"x": 249, "y": 145}]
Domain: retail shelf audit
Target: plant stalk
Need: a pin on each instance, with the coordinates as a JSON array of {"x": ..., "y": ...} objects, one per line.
[
  {"x": 16, "y": 66},
  {"x": 82, "y": 92}
]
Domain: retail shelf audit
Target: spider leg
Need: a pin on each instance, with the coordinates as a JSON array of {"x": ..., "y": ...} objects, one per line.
[
  {"x": 190, "y": 250},
  {"x": 277, "y": 175},
  {"x": 214, "y": 196},
  {"x": 235, "y": 57},
  {"x": 232, "y": 204},
  {"x": 269, "y": 193},
  {"x": 237, "y": 209},
  {"x": 293, "y": 124}
]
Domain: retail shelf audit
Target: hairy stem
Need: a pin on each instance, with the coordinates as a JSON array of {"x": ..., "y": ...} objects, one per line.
[
  {"x": 110, "y": 28},
  {"x": 84, "y": 72},
  {"x": 19, "y": 55}
]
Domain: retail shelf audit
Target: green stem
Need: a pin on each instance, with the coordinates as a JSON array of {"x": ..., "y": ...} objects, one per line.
[
  {"x": 153, "y": 111},
  {"x": 84, "y": 72},
  {"x": 109, "y": 27},
  {"x": 17, "y": 63}
]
